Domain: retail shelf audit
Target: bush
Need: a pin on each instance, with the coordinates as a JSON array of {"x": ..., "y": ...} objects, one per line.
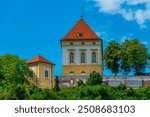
[{"x": 95, "y": 79}]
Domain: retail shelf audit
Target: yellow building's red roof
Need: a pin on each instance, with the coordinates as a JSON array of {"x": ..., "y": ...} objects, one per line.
[
  {"x": 81, "y": 31},
  {"x": 40, "y": 59}
]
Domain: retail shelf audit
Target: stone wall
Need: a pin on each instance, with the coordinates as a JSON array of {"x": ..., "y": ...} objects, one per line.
[{"x": 132, "y": 81}]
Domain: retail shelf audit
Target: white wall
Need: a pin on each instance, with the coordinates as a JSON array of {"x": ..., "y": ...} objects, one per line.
[{"x": 77, "y": 53}]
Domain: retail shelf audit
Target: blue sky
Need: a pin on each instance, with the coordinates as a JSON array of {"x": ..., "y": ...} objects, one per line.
[{"x": 32, "y": 27}]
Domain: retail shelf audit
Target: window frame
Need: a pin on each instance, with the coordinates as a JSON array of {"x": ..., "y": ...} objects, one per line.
[
  {"x": 46, "y": 74},
  {"x": 80, "y": 34},
  {"x": 83, "y": 73},
  {"x": 83, "y": 57},
  {"x": 94, "y": 57},
  {"x": 71, "y": 73},
  {"x": 71, "y": 58},
  {"x": 31, "y": 74}
]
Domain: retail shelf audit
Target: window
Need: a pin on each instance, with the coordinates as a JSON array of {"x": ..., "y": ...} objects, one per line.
[
  {"x": 94, "y": 43},
  {"x": 82, "y": 43},
  {"x": 46, "y": 74},
  {"x": 82, "y": 57},
  {"x": 94, "y": 72},
  {"x": 71, "y": 73},
  {"x": 71, "y": 43},
  {"x": 71, "y": 57},
  {"x": 80, "y": 34},
  {"x": 93, "y": 57},
  {"x": 82, "y": 73},
  {"x": 31, "y": 74}
]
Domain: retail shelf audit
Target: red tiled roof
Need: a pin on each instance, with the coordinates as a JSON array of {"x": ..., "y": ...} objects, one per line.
[
  {"x": 39, "y": 59},
  {"x": 81, "y": 31}
]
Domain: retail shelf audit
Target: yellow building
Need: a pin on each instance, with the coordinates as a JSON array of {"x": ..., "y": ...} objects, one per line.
[
  {"x": 81, "y": 51},
  {"x": 42, "y": 72}
]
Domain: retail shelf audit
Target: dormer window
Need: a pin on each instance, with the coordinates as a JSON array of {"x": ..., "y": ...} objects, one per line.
[{"x": 80, "y": 34}]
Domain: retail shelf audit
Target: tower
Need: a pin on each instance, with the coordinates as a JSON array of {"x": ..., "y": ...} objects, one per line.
[
  {"x": 42, "y": 72},
  {"x": 81, "y": 51}
]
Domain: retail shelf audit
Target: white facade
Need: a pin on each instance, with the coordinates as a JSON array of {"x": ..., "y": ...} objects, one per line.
[{"x": 88, "y": 47}]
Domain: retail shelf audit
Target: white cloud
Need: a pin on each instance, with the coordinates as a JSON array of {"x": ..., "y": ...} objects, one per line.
[
  {"x": 109, "y": 6},
  {"x": 104, "y": 36},
  {"x": 130, "y": 13},
  {"x": 128, "y": 36},
  {"x": 123, "y": 38},
  {"x": 136, "y": 2}
]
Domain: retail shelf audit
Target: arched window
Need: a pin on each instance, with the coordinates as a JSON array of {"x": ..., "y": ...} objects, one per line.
[
  {"x": 82, "y": 73},
  {"x": 71, "y": 73},
  {"x": 82, "y": 57},
  {"x": 71, "y": 57},
  {"x": 93, "y": 57}
]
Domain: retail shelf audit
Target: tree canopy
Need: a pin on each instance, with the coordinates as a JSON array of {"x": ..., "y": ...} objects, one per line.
[
  {"x": 137, "y": 55},
  {"x": 94, "y": 79},
  {"x": 129, "y": 56},
  {"x": 112, "y": 57},
  {"x": 13, "y": 69}
]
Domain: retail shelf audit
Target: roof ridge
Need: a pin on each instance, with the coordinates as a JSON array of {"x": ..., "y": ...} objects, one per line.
[
  {"x": 39, "y": 58},
  {"x": 81, "y": 31}
]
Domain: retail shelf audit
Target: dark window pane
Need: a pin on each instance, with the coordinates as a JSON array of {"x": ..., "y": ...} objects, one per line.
[
  {"x": 71, "y": 73},
  {"x": 82, "y": 73},
  {"x": 93, "y": 57},
  {"x": 46, "y": 74},
  {"x": 94, "y": 43},
  {"x": 71, "y": 43},
  {"x": 82, "y": 57},
  {"x": 31, "y": 74},
  {"x": 71, "y": 58},
  {"x": 80, "y": 34},
  {"x": 82, "y": 43}
]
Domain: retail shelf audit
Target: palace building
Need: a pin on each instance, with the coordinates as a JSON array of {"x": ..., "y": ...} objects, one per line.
[
  {"x": 42, "y": 72},
  {"x": 81, "y": 55},
  {"x": 81, "y": 51}
]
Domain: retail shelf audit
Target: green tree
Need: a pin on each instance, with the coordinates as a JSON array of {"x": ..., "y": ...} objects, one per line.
[
  {"x": 56, "y": 87},
  {"x": 13, "y": 69},
  {"x": 137, "y": 55},
  {"x": 95, "y": 79},
  {"x": 80, "y": 83},
  {"x": 148, "y": 60},
  {"x": 125, "y": 66},
  {"x": 112, "y": 57}
]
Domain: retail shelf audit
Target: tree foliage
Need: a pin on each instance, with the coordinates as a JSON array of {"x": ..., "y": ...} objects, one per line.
[
  {"x": 80, "y": 83},
  {"x": 13, "y": 69},
  {"x": 137, "y": 56},
  {"x": 112, "y": 57},
  {"x": 94, "y": 79},
  {"x": 148, "y": 60},
  {"x": 13, "y": 86},
  {"x": 125, "y": 66},
  {"x": 129, "y": 56}
]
